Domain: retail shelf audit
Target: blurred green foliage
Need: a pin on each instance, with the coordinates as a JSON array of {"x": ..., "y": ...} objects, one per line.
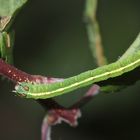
[
  {"x": 9, "y": 7},
  {"x": 51, "y": 40}
]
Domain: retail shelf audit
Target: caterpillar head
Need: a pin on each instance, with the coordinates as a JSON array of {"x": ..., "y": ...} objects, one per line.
[{"x": 22, "y": 89}]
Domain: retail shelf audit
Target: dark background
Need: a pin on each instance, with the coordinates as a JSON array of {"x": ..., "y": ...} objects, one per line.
[{"x": 51, "y": 40}]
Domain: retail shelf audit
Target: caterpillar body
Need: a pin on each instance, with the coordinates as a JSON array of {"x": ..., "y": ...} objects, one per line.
[{"x": 43, "y": 91}]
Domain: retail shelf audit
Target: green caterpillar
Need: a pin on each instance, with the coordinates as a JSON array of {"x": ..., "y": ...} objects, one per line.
[{"x": 43, "y": 91}]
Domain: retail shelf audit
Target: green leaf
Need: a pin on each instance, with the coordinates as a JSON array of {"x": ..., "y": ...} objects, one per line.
[{"x": 9, "y": 7}]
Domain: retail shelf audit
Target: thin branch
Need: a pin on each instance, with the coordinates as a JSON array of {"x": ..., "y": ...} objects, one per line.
[
  {"x": 93, "y": 32},
  {"x": 92, "y": 92},
  {"x": 46, "y": 129}
]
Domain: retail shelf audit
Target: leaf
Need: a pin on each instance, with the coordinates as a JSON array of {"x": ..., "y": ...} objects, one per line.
[{"x": 9, "y": 7}]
